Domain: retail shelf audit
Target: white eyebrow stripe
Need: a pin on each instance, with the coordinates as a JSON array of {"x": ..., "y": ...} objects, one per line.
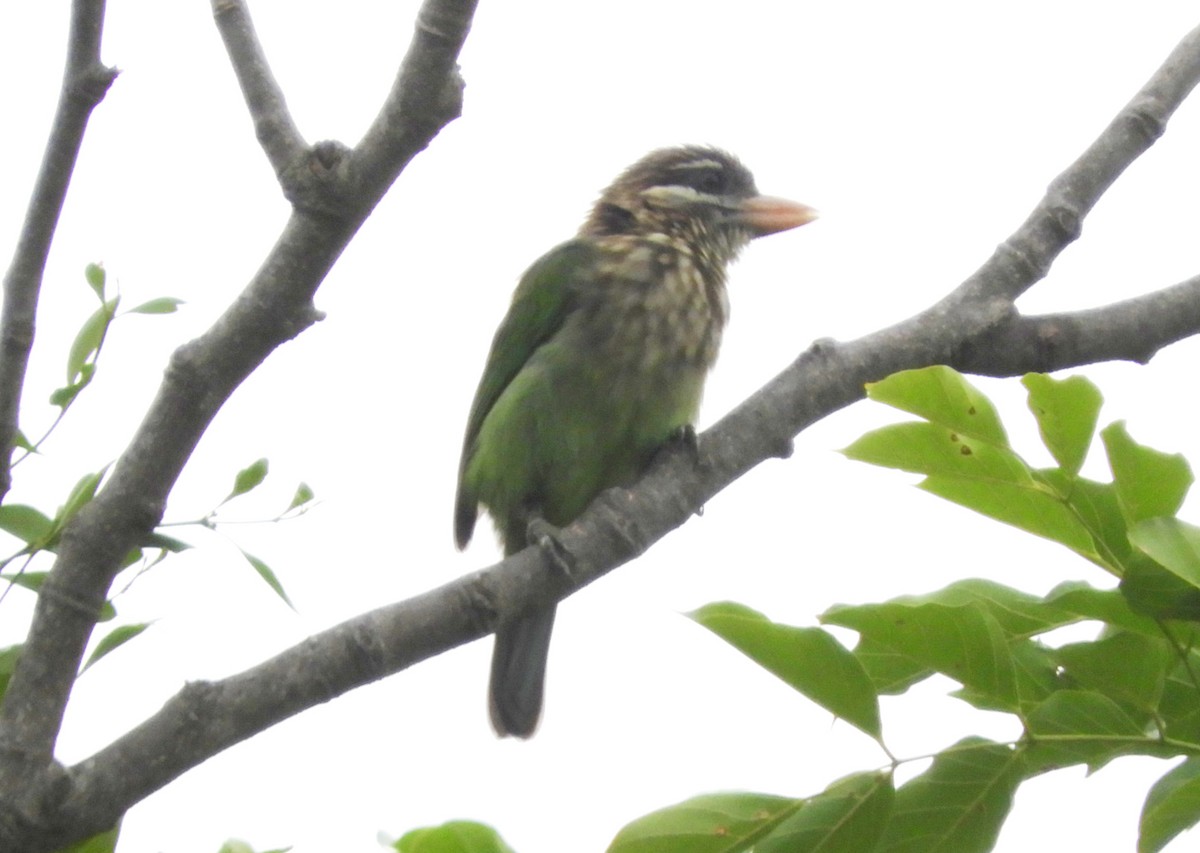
[
  {"x": 677, "y": 194},
  {"x": 706, "y": 163}
]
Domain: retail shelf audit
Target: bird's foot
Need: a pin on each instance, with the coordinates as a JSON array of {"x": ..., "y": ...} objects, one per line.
[
  {"x": 545, "y": 536},
  {"x": 683, "y": 439}
]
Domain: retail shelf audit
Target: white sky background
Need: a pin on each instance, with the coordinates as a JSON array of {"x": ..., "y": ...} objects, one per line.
[{"x": 924, "y": 132}]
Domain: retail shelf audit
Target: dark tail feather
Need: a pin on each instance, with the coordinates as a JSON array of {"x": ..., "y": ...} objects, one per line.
[{"x": 518, "y": 673}]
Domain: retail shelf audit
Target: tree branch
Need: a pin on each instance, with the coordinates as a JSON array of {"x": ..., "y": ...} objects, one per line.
[
  {"x": 273, "y": 125},
  {"x": 85, "y": 82},
  {"x": 976, "y": 327},
  {"x": 331, "y": 199},
  {"x": 1132, "y": 330}
]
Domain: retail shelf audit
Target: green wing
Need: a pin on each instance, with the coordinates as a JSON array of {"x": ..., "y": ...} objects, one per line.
[{"x": 542, "y": 301}]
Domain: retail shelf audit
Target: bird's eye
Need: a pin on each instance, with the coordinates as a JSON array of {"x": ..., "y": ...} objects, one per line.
[{"x": 710, "y": 181}]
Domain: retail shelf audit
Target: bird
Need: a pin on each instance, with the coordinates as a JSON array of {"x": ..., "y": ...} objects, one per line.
[{"x": 598, "y": 364}]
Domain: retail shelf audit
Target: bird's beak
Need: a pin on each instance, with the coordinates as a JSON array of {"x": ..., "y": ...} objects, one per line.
[{"x": 764, "y": 214}]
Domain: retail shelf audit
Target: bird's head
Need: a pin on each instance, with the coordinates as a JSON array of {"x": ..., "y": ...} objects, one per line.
[{"x": 701, "y": 195}]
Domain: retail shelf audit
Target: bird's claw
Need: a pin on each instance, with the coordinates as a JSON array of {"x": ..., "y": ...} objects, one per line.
[
  {"x": 545, "y": 536},
  {"x": 683, "y": 439}
]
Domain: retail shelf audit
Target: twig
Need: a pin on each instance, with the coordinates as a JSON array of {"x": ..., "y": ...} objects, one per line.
[
  {"x": 273, "y": 124},
  {"x": 85, "y": 82}
]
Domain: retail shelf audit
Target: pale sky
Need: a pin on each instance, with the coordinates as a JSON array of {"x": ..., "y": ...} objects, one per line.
[{"x": 924, "y": 132}]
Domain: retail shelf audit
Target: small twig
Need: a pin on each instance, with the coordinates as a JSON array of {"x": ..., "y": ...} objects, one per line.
[
  {"x": 273, "y": 124},
  {"x": 85, "y": 82}
]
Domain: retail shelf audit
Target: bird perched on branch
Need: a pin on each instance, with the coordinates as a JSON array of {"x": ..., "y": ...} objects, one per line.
[{"x": 600, "y": 360}]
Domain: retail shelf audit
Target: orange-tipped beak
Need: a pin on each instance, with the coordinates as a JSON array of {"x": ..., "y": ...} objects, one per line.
[{"x": 765, "y": 214}]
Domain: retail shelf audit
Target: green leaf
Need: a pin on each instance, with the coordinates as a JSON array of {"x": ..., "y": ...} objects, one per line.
[
  {"x": 1099, "y": 511},
  {"x": 1126, "y": 667},
  {"x": 1173, "y": 544},
  {"x": 456, "y": 836},
  {"x": 1033, "y": 508},
  {"x": 890, "y": 671},
  {"x": 958, "y": 804},
  {"x": 942, "y": 396},
  {"x": 1148, "y": 482},
  {"x": 1033, "y": 671},
  {"x": 31, "y": 581},
  {"x": 165, "y": 543},
  {"x": 89, "y": 338},
  {"x": 712, "y": 823},
  {"x": 1019, "y": 613},
  {"x": 81, "y": 494},
  {"x": 95, "y": 276},
  {"x": 264, "y": 572},
  {"x": 8, "y": 662},
  {"x": 248, "y": 478},
  {"x": 20, "y": 441},
  {"x": 810, "y": 660},
  {"x": 1178, "y": 708},
  {"x": 936, "y": 450},
  {"x": 1104, "y": 605},
  {"x": 303, "y": 495},
  {"x": 114, "y": 639},
  {"x": 63, "y": 397},
  {"x": 1158, "y": 593},
  {"x": 1172, "y": 806},
  {"x": 1081, "y": 727},
  {"x": 28, "y": 524},
  {"x": 105, "y": 842},
  {"x": 851, "y": 814},
  {"x": 161, "y": 305},
  {"x": 234, "y": 845},
  {"x": 964, "y": 642},
  {"x": 1067, "y": 411}
]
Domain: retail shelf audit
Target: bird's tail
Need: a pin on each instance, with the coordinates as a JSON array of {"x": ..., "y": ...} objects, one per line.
[{"x": 519, "y": 672}]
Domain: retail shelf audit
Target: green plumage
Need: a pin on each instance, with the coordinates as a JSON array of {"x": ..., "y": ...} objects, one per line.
[{"x": 601, "y": 358}]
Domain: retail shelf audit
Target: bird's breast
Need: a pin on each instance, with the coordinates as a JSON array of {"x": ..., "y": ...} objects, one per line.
[{"x": 658, "y": 310}]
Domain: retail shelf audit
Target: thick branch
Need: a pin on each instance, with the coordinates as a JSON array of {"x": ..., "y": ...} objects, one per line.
[{"x": 85, "y": 82}]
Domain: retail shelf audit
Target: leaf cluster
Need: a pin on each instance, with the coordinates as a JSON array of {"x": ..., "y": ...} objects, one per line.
[
  {"x": 40, "y": 532},
  {"x": 1132, "y": 690}
]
